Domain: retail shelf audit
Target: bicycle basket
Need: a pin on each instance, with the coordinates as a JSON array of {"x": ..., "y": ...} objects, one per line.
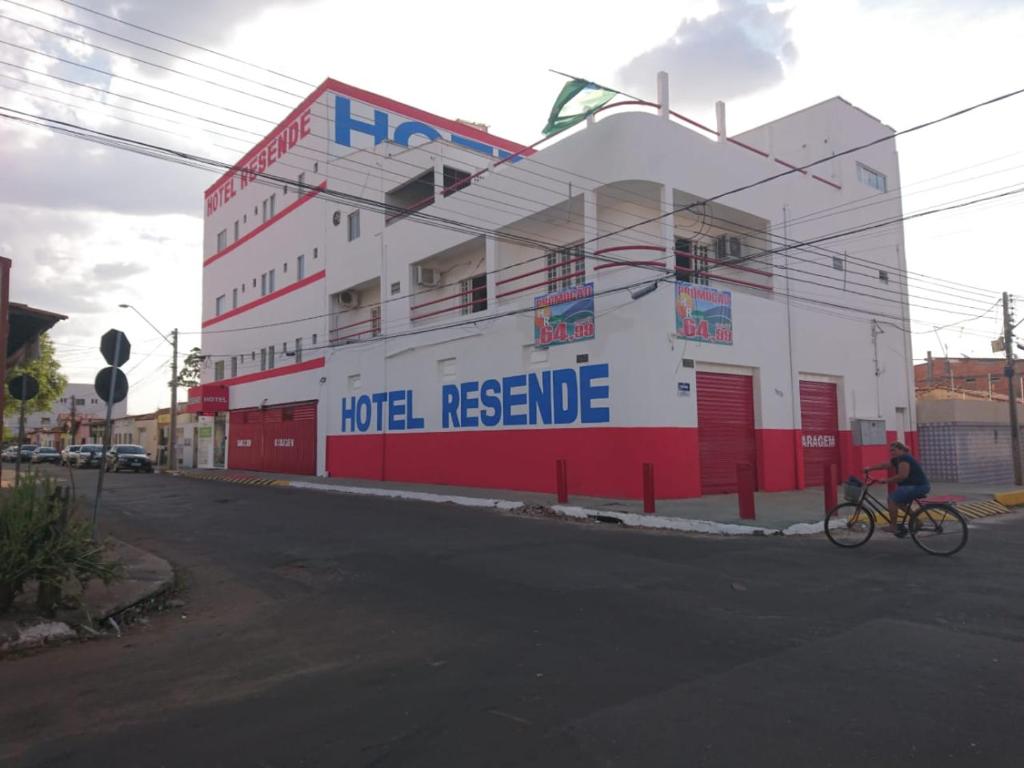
[{"x": 852, "y": 492}]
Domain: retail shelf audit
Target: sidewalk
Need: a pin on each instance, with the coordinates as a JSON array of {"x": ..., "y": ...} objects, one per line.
[
  {"x": 145, "y": 575},
  {"x": 782, "y": 513}
]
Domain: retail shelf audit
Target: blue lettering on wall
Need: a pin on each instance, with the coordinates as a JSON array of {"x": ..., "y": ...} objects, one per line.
[
  {"x": 406, "y": 131},
  {"x": 559, "y": 397},
  {"x": 344, "y": 123}
]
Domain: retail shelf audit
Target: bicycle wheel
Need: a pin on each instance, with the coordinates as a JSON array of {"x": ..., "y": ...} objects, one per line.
[
  {"x": 939, "y": 529},
  {"x": 849, "y": 525}
]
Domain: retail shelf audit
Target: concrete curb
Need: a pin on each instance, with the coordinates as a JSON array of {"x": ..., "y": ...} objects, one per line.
[
  {"x": 1010, "y": 498},
  {"x": 628, "y": 519}
]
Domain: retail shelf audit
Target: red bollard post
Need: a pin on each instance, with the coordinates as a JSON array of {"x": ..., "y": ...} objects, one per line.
[
  {"x": 648, "y": 489},
  {"x": 831, "y": 481},
  {"x": 561, "y": 481},
  {"x": 745, "y": 481}
]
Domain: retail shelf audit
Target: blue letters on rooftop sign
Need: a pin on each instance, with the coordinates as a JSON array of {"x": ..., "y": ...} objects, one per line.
[{"x": 560, "y": 397}]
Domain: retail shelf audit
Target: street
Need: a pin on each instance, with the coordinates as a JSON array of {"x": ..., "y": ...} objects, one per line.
[{"x": 326, "y": 631}]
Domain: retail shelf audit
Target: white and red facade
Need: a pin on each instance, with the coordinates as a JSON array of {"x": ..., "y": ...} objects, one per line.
[{"x": 351, "y": 348}]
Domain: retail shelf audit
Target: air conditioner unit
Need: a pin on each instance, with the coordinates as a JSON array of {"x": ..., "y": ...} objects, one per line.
[
  {"x": 728, "y": 248},
  {"x": 349, "y": 299},
  {"x": 428, "y": 277}
]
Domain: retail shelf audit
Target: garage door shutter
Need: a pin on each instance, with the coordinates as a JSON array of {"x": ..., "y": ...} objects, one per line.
[
  {"x": 819, "y": 417},
  {"x": 725, "y": 421},
  {"x": 281, "y": 438}
]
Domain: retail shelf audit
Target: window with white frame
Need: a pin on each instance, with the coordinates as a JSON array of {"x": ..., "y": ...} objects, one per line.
[
  {"x": 302, "y": 183},
  {"x": 234, "y": 367},
  {"x": 222, "y": 240},
  {"x": 300, "y": 267},
  {"x": 375, "y": 321},
  {"x": 691, "y": 261},
  {"x": 871, "y": 177},
  {"x": 473, "y": 294},
  {"x": 218, "y": 370},
  {"x": 234, "y": 298},
  {"x": 270, "y": 356},
  {"x": 353, "y": 226},
  {"x": 236, "y": 229},
  {"x": 219, "y": 308},
  {"x": 263, "y": 359},
  {"x": 298, "y": 350},
  {"x": 565, "y": 267}
]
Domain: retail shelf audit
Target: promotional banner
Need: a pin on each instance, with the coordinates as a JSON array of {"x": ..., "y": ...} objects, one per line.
[
  {"x": 563, "y": 317},
  {"x": 703, "y": 314}
]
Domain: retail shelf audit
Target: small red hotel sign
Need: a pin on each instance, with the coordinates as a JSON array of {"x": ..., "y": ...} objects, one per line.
[{"x": 207, "y": 398}]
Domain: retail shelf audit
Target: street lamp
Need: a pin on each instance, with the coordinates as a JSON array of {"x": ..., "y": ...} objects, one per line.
[{"x": 172, "y": 460}]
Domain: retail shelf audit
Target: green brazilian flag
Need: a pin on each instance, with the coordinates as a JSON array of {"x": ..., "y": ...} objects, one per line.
[{"x": 577, "y": 100}]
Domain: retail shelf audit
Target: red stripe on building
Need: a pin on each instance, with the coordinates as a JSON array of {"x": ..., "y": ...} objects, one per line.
[
  {"x": 272, "y": 220},
  {"x": 315, "y": 277},
  {"x": 286, "y": 370}
]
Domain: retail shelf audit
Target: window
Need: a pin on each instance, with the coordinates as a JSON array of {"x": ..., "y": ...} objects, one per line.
[
  {"x": 871, "y": 178},
  {"x": 219, "y": 307},
  {"x": 270, "y": 356},
  {"x": 353, "y": 226},
  {"x": 454, "y": 180},
  {"x": 263, "y": 359},
  {"x": 284, "y": 267},
  {"x": 79, "y": 401},
  {"x": 95, "y": 401},
  {"x": 883, "y": 276},
  {"x": 314, "y": 339},
  {"x": 298, "y": 350},
  {"x": 263, "y": 284},
  {"x": 222, "y": 240},
  {"x": 396, "y": 288},
  {"x": 268, "y": 207},
  {"x": 375, "y": 317},
  {"x": 273, "y": 199},
  {"x": 218, "y": 370},
  {"x": 837, "y": 263},
  {"x": 234, "y": 297},
  {"x": 270, "y": 281},
  {"x": 415, "y": 194},
  {"x": 300, "y": 267},
  {"x": 236, "y": 229},
  {"x": 315, "y": 252},
  {"x": 563, "y": 265},
  {"x": 234, "y": 367},
  {"x": 474, "y": 294},
  {"x": 302, "y": 183},
  {"x": 691, "y": 261}
]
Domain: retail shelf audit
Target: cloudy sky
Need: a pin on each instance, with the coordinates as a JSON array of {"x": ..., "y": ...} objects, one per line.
[{"x": 89, "y": 228}]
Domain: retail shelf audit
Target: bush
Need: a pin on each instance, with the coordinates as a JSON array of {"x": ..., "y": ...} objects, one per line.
[{"x": 41, "y": 538}]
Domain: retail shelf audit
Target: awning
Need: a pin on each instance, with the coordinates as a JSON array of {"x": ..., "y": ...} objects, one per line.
[{"x": 207, "y": 398}]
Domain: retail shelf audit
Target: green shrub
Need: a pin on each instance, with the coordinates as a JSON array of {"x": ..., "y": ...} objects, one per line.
[{"x": 41, "y": 538}]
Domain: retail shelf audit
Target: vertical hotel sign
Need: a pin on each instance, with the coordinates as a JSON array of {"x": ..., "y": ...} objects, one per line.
[
  {"x": 703, "y": 314},
  {"x": 564, "y": 316}
]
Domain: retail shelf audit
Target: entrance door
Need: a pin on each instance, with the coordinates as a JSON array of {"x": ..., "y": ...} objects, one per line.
[
  {"x": 725, "y": 426},
  {"x": 819, "y": 416}
]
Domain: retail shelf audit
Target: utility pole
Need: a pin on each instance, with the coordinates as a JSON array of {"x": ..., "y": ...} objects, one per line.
[
  {"x": 1014, "y": 426},
  {"x": 172, "y": 439}
]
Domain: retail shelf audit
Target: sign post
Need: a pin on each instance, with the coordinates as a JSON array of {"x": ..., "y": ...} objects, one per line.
[
  {"x": 112, "y": 386},
  {"x": 23, "y": 387}
]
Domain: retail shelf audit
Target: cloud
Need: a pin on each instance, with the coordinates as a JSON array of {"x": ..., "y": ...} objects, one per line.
[
  {"x": 738, "y": 50},
  {"x": 117, "y": 271}
]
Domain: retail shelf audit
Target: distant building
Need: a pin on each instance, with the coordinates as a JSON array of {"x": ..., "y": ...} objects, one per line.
[
  {"x": 53, "y": 427},
  {"x": 982, "y": 376}
]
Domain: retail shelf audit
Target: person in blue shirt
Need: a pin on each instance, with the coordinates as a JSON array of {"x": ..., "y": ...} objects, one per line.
[{"x": 911, "y": 481}]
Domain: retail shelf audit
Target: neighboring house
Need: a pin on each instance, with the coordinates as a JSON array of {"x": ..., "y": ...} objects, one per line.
[{"x": 983, "y": 376}]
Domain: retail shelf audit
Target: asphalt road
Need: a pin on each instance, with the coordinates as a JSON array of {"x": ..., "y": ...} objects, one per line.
[{"x": 336, "y": 631}]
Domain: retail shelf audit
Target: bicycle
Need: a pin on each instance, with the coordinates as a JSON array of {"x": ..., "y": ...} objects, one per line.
[{"x": 936, "y": 527}]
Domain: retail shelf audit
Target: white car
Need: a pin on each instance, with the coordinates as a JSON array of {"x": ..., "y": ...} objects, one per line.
[{"x": 68, "y": 455}]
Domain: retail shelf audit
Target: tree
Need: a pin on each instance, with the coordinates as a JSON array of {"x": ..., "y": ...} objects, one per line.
[
  {"x": 188, "y": 376},
  {"x": 46, "y": 370}
]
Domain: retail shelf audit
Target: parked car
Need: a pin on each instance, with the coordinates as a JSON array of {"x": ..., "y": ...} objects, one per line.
[
  {"x": 67, "y": 455},
  {"x": 45, "y": 455},
  {"x": 132, "y": 457},
  {"x": 27, "y": 450},
  {"x": 89, "y": 455},
  {"x": 10, "y": 453}
]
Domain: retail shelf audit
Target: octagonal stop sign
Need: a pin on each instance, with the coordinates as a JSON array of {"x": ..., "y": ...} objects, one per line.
[{"x": 115, "y": 353}]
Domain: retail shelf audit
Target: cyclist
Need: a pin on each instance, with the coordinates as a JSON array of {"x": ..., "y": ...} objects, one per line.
[{"x": 911, "y": 481}]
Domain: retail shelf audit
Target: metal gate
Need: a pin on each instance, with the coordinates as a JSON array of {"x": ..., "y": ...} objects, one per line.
[
  {"x": 281, "y": 438},
  {"x": 819, "y": 417},
  {"x": 725, "y": 426}
]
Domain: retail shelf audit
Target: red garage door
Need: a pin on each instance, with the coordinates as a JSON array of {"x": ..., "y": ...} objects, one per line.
[
  {"x": 819, "y": 417},
  {"x": 725, "y": 421},
  {"x": 281, "y": 438}
]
